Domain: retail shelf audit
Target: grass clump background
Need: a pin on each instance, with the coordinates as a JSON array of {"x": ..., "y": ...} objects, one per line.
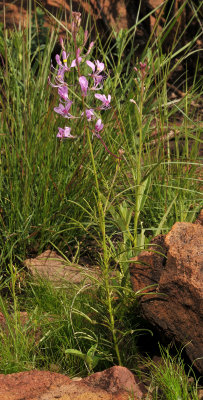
[{"x": 49, "y": 198}]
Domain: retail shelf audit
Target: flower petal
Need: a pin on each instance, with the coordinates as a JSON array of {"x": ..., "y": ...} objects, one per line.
[
  {"x": 98, "y": 126},
  {"x": 83, "y": 84},
  {"x": 63, "y": 92},
  {"x": 89, "y": 114},
  {"x": 100, "y": 65},
  {"x": 64, "y": 133},
  {"x": 100, "y": 97},
  {"x": 74, "y": 64},
  {"x": 91, "y": 65},
  {"x": 57, "y": 58},
  {"x": 104, "y": 99},
  {"x": 64, "y": 110}
]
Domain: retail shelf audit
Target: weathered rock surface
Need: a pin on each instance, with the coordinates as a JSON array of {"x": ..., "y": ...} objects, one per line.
[
  {"x": 174, "y": 263},
  {"x": 53, "y": 267},
  {"x": 116, "y": 383},
  {"x": 116, "y": 379},
  {"x": 30, "y": 384},
  {"x": 114, "y": 13}
]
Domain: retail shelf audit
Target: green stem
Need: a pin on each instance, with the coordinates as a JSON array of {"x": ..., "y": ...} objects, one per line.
[
  {"x": 105, "y": 252},
  {"x": 102, "y": 228},
  {"x": 138, "y": 178}
]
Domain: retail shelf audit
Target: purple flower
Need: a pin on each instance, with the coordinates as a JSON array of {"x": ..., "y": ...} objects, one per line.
[
  {"x": 105, "y": 100},
  {"x": 98, "y": 126},
  {"x": 64, "y": 110},
  {"x": 99, "y": 65},
  {"x": 65, "y": 57},
  {"x": 60, "y": 74},
  {"x": 89, "y": 114},
  {"x": 64, "y": 133},
  {"x": 63, "y": 92},
  {"x": 95, "y": 75},
  {"x": 61, "y": 70},
  {"x": 59, "y": 79},
  {"x": 97, "y": 80},
  {"x": 83, "y": 84},
  {"x": 91, "y": 65}
]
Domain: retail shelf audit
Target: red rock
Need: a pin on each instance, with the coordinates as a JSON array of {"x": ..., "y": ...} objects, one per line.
[
  {"x": 29, "y": 385},
  {"x": 115, "y": 379},
  {"x": 177, "y": 308},
  {"x": 115, "y": 383},
  {"x": 113, "y": 13}
]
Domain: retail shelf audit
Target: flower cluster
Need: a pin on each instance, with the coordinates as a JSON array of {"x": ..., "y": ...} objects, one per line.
[{"x": 89, "y": 85}]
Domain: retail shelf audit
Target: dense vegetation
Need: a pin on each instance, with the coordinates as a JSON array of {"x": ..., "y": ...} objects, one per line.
[{"x": 98, "y": 198}]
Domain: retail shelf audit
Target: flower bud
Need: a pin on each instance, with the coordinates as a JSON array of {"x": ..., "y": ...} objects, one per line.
[{"x": 76, "y": 21}]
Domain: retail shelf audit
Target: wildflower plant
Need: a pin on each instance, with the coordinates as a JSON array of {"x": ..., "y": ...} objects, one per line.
[
  {"x": 156, "y": 185},
  {"x": 90, "y": 103},
  {"x": 80, "y": 82},
  {"x": 87, "y": 97}
]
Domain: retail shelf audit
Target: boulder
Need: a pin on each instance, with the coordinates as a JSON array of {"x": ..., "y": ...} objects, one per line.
[
  {"x": 116, "y": 379},
  {"x": 116, "y": 383},
  {"x": 174, "y": 305}
]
